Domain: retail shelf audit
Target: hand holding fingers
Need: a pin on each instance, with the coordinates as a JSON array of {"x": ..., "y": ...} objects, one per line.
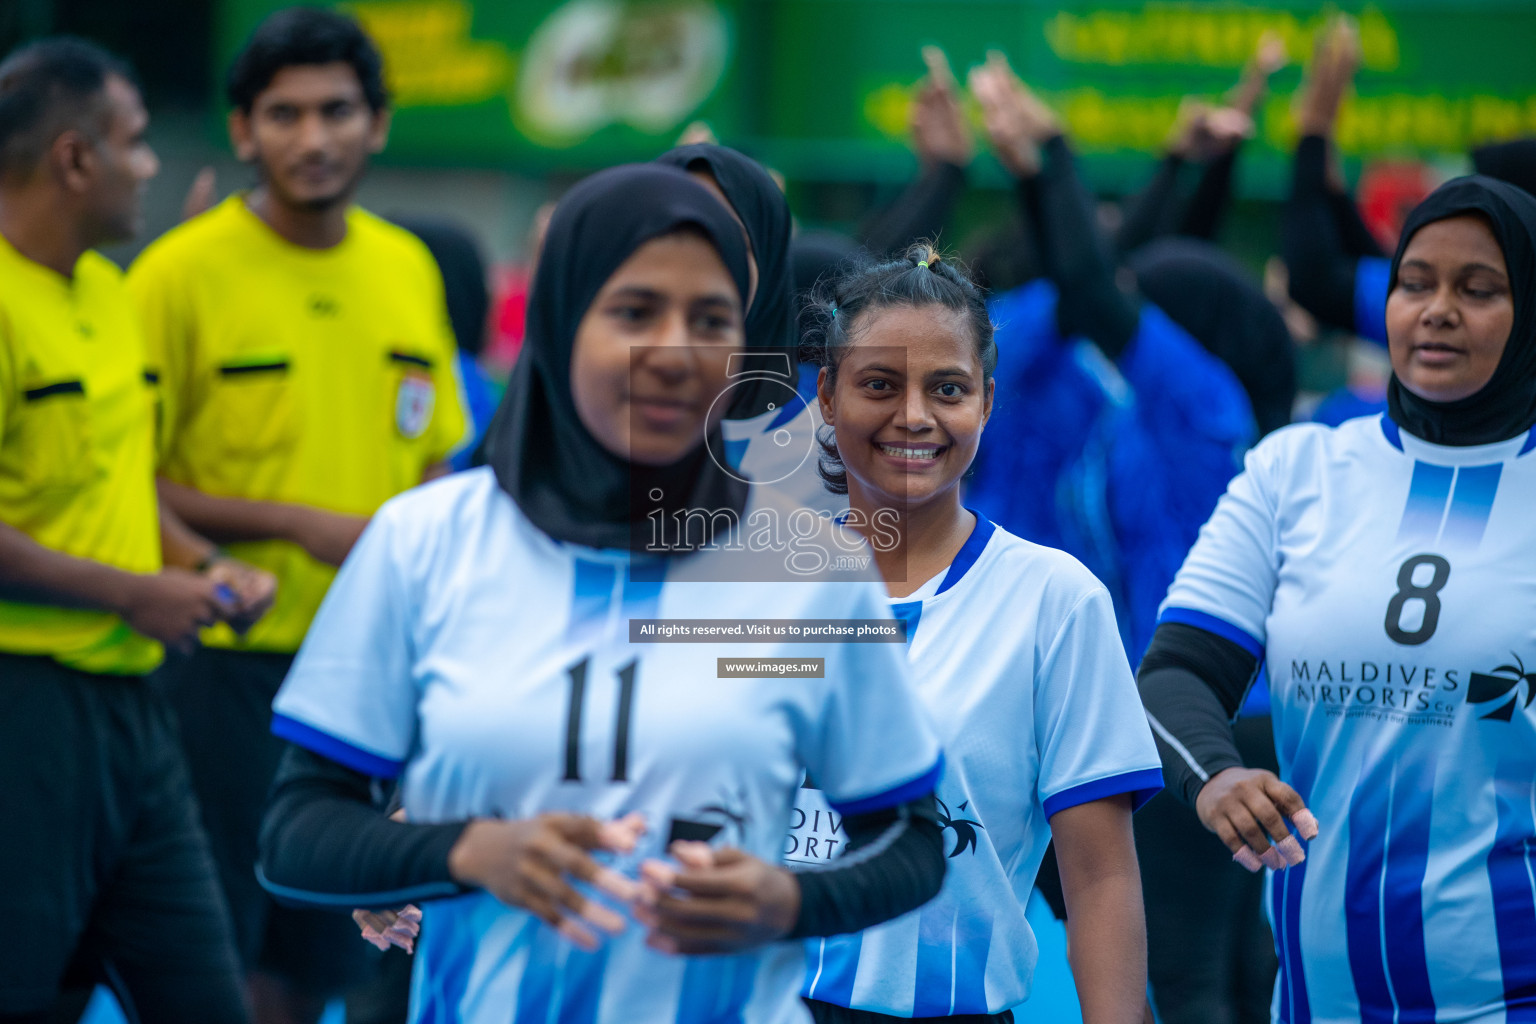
[
  {"x": 621, "y": 834},
  {"x": 1248, "y": 809},
  {"x": 526, "y": 864},
  {"x": 736, "y": 903}
]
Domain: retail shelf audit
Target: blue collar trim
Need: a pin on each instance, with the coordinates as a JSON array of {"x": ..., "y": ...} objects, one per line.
[{"x": 969, "y": 551}]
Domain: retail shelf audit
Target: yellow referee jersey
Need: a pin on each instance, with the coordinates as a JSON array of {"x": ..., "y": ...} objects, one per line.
[
  {"x": 77, "y": 463},
  {"x": 319, "y": 377}
]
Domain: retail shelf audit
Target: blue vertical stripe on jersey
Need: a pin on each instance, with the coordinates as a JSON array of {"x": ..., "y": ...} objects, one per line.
[
  {"x": 1512, "y": 877},
  {"x": 934, "y": 985},
  {"x": 1402, "y": 890},
  {"x": 1286, "y": 888},
  {"x": 1285, "y": 915},
  {"x": 715, "y": 990},
  {"x": 1383, "y": 900},
  {"x": 832, "y": 964},
  {"x": 973, "y": 944},
  {"x": 444, "y": 960},
  {"x": 642, "y": 588},
  {"x": 1471, "y": 504},
  {"x": 1427, "y": 494},
  {"x": 910, "y": 612},
  {"x": 536, "y": 990},
  {"x": 592, "y": 590},
  {"x": 1362, "y": 895},
  {"x": 1530, "y": 443},
  {"x": 952, "y": 951},
  {"x": 581, "y": 985}
]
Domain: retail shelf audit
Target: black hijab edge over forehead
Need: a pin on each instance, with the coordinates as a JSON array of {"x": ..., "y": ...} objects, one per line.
[
  {"x": 560, "y": 476},
  {"x": 1505, "y": 407},
  {"x": 763, "y": 209}
]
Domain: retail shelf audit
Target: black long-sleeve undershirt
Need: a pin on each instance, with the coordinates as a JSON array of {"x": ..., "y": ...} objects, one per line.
[
  {"x": 1159, "y": 210},
  {"x": 1089, "y": 302},
  {"x": 1192, "y": 684},
  {"x": 325, "y": 842},
  {"x": 1154, "y": 211},
  {"x": 921, "y": 212},
  {"x": 1322, "y": 239},
  {"x": 1212, "y": 197}
]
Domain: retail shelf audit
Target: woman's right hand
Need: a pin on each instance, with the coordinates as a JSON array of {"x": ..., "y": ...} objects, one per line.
[
  {"x": 530, "y": 864},
  {"x": 1246, "y": 808}
]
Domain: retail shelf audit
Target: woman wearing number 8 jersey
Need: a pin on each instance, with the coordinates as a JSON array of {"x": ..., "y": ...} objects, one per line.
[
  {"x": 476, "y": 645},
  {"x": 1385, "y": 571}
]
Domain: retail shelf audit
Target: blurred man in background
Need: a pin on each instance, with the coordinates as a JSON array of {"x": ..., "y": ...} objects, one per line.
[
  {"x": 307, "y": 368},
  {"x": 105, "y": 872}
]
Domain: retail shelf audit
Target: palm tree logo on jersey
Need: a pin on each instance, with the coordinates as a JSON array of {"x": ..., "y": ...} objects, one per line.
[
  {"x": 965, "y": 828},
  {"x": 1502, "y": 682}
]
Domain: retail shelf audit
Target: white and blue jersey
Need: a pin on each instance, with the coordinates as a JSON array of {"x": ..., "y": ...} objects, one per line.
[
  {"x": 1015, "y": 653},
  {"x": 491, "y": 669},
  {"x": 779, "y": 450},
  {"x": 1389, "y": 585}
]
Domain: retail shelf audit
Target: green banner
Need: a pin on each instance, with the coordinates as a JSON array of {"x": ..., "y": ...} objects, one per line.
[{"x": 821, "y": 88}]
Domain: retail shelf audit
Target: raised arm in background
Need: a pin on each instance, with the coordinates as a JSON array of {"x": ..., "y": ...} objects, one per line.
[{"x": 945, "y": 147}]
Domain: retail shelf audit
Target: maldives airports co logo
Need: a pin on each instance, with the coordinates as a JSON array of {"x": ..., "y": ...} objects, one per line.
[
  {"x": 1503, "y": 682},
  {"x": 1419, "y": 694}
]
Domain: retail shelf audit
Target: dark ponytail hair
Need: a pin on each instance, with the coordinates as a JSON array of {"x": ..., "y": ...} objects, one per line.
[{"x": 831, "y": 320}]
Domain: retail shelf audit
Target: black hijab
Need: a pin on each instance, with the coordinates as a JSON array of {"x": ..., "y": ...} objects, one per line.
[
  {"x": 1210, "y": 295},
  {"x": 760, "y": 203},
  {"x": 1505, "y": 407},
  {"x": 562, "y": 478},
  {"x": 1513, "y": 161}
]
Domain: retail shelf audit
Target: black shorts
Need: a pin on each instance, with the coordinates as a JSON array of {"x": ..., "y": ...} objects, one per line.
[
  {"x": 104, "y": 871},
  {"x": 223, "y": 702},
  {"x": 832, "y": 1013}
]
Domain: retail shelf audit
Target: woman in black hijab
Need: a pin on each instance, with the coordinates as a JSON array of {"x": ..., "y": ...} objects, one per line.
[
  {"x": 1384, "y": 571},
  {"x": 477, "y": 645},
  {"x": 1480, "y": 390},
  {"x": 758, "y": 202},
  {"x": 563, "y": 478}
]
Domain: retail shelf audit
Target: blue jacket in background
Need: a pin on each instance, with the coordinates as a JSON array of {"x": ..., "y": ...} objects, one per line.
[{"x": 1117, "y": 463}]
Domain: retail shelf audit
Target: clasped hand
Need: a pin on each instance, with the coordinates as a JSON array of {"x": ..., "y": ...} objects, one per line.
[{"x": 711, "y": 901}]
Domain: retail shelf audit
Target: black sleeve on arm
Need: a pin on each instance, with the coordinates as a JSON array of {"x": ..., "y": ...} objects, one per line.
[
  {"x": 324, "y": 843},
  {"x": 893, "y": 863},
  {"x": 1212, "y": 196},
  {"x": 1357, "y": 238},
  {"x": 1322, "y": 271},
  {"x": 1090, "y": 303},
  {"x": 1192, "y": 683},
  {"x": 1152, "y": 212},
  {"x": 920, "y": 212}
]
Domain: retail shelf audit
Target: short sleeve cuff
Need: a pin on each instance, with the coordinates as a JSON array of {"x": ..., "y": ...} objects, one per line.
[
  {"x": 910, "y": 790},
  {"x": 1211, "y": 624},
  {"x": 343, "y": 753},
  {"x": 1143, "y": 784}
]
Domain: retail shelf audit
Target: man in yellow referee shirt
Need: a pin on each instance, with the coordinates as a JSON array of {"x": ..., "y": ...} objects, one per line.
[
  {"x": 307, "y": 372},
  {"x": 104, "y": 870}
]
